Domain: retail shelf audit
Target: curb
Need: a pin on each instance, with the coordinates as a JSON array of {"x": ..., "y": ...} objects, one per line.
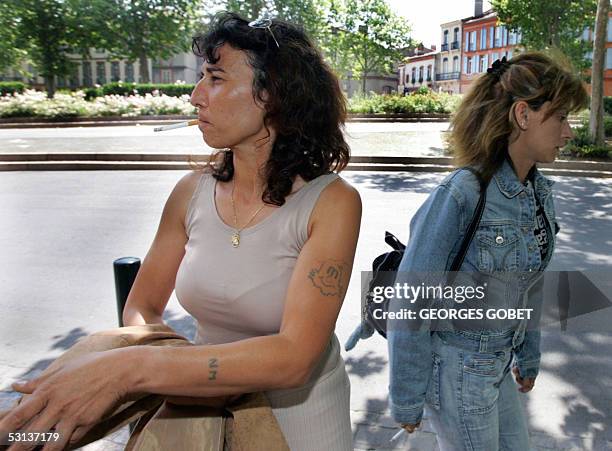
[
  {"x": 152, "y": 161},
  {"x": 109, "y": 121},
  {"x": 115, "y": 121}
]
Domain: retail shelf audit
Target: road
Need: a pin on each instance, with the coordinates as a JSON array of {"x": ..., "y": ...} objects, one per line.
[
  {"x": 365, "y": 138},
  {"x": 60, "y": 231}
]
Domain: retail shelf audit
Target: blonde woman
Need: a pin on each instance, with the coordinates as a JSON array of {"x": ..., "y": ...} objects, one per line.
[{"x": 514, "y": 117}]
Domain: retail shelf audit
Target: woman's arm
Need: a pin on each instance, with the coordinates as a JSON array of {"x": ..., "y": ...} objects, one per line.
[
  {"x": 157, "y": 275},
  {"x": 74, "y": 397},
  {"x": 314, "y": 297},
  {"x": 434, "y": 231}
]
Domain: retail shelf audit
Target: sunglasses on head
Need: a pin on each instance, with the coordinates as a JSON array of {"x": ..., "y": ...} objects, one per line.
[{"x": 264, "y": 23}]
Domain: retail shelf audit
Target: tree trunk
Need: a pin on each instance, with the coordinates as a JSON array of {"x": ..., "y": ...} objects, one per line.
[
  {"x": 596, "y": 124},
  {"x": 50, "y": 85},
  {"x": 144, "y": 68},
  {"x": 364, "y": 78}
]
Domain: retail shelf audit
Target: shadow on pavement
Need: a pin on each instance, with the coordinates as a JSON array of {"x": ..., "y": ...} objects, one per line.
[
  {"x": 578, "y": 363},
  {"x": 414, "y": 182},
  {"x": 584, "y": 212},
  {"x": 365, "y": 365}
]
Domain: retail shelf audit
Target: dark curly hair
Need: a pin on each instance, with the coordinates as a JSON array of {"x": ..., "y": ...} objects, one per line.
[{"x": 304, "y": 103}]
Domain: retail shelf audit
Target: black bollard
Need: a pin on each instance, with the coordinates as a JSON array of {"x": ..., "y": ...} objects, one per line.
[{"x": 125, "y": 269}]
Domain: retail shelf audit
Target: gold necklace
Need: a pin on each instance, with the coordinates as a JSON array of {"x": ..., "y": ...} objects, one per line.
[{"x": 236, "y": 235}]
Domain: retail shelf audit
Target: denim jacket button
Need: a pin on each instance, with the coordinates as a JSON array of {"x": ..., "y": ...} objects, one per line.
[
  {"x": 499, "y": 239},
  {"x": 525, "y": 229}
]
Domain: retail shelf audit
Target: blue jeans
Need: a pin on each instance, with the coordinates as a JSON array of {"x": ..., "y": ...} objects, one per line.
[{"x": 472, "y": 399}]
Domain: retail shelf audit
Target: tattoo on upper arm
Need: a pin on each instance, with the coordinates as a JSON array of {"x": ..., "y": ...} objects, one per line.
[
  {"x": 213, "y": 366},
  {"x": 328, "y": 277}
]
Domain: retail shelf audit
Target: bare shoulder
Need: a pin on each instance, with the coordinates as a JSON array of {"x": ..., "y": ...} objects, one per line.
[
  {"x": 339, "y": 203},
  {"x": 340, "y": 193},
  {"x": 178, "y": 202}
]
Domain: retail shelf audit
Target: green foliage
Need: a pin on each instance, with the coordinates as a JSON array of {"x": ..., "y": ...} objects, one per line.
[
  {"x": 309, "y": 14},
  {"x": 591, "y": 151},
  {"x": 608, "y": 105},
  {"x": 126, "y": 89},
  {"x": 157, "y": 29},
  {"x": 11, "y": 54},
  {"x": 551, "y": 25},
  {"x": 11, "y": 87},
  {"x": 48, "y": 30},
  {"x": 608, "y": 126},
  {"x": 582, "y": 144},
  {"x": 364, "y": 37},
  {"x": 424, "y": 102},
  {"x": 92, "y": 93}
]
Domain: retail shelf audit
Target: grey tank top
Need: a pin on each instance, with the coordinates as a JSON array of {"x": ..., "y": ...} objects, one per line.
[{"x": 239, "y": 293}]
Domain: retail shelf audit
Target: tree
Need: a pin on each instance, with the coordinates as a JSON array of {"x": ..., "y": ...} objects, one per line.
[
  {"x": 10, "y": 54},
  {"x": 555, "y": 24},
  {"x": 597, "y": 74},
  {"x": 142, "y": 29},
  {"x": 309, "y": 14},
  {"x": 368, "y": 36},
  {"x": 47, "y": 30}
]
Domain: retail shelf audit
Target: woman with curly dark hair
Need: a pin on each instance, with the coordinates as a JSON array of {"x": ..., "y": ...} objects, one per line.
[{"x": 259, "y": 247}]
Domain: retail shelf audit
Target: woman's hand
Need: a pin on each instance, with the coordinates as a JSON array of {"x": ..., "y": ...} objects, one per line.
[
  {"x": 70, "y": 398},
  {"x": 410, "y": 428},
  {"x": 526, "y": 383}
]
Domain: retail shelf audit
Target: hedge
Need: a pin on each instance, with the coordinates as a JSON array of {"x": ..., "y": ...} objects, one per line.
[{"x": 11, "y": 87}]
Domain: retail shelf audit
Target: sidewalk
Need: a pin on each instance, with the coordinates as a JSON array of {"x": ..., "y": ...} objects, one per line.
[{"x": 52, "y": 292}]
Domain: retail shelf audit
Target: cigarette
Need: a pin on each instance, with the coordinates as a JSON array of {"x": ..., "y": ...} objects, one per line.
[
  {"x": 397, "y": 435},
  {"x": 177, "y": 125}
]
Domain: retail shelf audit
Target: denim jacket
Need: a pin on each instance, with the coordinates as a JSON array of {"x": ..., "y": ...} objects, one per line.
[{"x": 504, "y": 242}]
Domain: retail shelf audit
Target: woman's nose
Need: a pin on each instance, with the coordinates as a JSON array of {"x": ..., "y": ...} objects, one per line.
[
  {"x": 198, "y": 95},
  {"x": 568, "y": 132}
]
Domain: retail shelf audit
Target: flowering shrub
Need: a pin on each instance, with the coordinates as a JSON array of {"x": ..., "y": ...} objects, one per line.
[
  {"x": 36, "y": 104},
  {"x": 418, "y": 102}
]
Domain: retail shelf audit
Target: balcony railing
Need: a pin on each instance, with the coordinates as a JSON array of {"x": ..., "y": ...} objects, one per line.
[
  {"x": 454, "y": 45},
  {"x": 447, "y": 76},
  {"x": 444, "y": 48}
]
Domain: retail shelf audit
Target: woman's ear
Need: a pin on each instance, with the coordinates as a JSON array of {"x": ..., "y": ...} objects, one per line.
[{"x": 521, "y": 115}]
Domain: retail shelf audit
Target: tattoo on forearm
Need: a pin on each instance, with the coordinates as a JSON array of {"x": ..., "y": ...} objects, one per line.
[
  {"x": 329, "y": 277},
  {"x": 213, "y": 366}
]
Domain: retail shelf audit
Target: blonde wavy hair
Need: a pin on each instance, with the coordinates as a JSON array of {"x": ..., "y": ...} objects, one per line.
[{"x": 484, "y": 124}]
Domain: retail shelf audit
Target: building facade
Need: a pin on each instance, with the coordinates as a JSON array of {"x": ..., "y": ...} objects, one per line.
[
  {"x": 589, "y": 34},
  {"x": 100, "y": 68},
  {"x": 448, "y": 61},
  {"x": 484, "y": 42},
  {"x": 417, "y": 70}
]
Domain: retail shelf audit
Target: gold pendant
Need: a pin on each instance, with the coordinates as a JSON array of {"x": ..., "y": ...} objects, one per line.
[{"x": 236, "y": 239}]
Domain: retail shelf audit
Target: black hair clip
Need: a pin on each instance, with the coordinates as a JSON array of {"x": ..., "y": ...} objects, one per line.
[{"x": 499, "y": 67}]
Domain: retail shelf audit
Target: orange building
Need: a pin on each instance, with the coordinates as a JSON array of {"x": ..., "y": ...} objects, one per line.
[{"x": 484, "y": 41}]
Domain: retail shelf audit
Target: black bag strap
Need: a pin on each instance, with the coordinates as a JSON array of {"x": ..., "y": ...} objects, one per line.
[
  {"x": 392, "y": 241},
  {"x": 471, "y": 230}
]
